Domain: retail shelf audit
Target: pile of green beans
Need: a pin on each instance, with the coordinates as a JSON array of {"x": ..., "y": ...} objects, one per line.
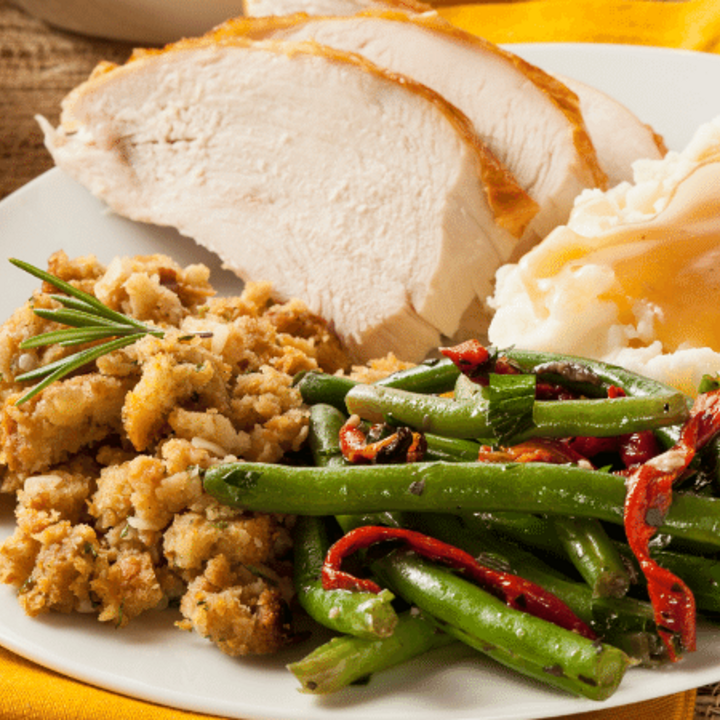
[{"x": 559, "y": 526}]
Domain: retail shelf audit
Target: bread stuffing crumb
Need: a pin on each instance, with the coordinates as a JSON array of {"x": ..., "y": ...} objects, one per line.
[{"x": 111, "y": 516}]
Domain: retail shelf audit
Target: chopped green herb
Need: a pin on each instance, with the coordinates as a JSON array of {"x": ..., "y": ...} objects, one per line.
[
  {"x": 88, "y": 320},
  {"x": 119, "y": 618},
  {"x": 512, "y": 398}
]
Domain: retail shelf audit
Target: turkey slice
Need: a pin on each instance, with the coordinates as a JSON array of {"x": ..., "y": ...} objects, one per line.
[
  {"x": 529, "y": 120},
  {"x": 619, "y": 136},
  {"x": 359, "y": 191}
]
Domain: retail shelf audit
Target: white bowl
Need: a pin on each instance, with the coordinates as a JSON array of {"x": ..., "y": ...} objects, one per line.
[{"x": 147, "y": 22}]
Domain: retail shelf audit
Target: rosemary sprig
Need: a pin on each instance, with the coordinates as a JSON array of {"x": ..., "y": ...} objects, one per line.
[{"x": 89, "y": 320}]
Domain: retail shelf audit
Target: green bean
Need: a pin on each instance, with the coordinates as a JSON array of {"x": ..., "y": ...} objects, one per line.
[
  {"x": 449, "y": 487},
  {"x": 317, "y": 387},
  {"x": 439, "y": 376},
  {"x": 629, "y": 624},
  {"x": 323, "y": 436},
  {"x": 358, "y": 614},
  {"x": 625, "y": 622},
  {"x": 707, "y": 479},
  {"x": 345, "y": 660},
  {"x": 607, "y": 374},
  {"x": 593, "y": 553},
  {"x": 543, "y": 673},
  {"x": 632, "y": 383},
  {"x": 628, "y": 614},
  {"x": 528, "y": 530},
  {"x": 433, "y": 376},
  {"x": 323, "y": 440},
  {"x": 467, "y": 389},
  {"x": 355, "y": 613},
  {"x": 528, "y": 644},
  {"x": 469, "y": 418},
  {"x": 490, "y": 548},
  {"x": 386, "y": 519},
  {"x": 352, "y": 657},
  {"x": 451, "y": 449},
  {"x": 701, "y": 574},
  {"x": 645, "y": 647}
]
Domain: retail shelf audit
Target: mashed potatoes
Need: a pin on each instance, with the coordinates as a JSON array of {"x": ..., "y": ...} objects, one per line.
[
  {"x": 634, "y": 277},
  {"x": 111, "y": 515}
]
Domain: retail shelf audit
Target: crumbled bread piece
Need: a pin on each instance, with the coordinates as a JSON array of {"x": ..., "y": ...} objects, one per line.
[{"x": 112, "y": 518}]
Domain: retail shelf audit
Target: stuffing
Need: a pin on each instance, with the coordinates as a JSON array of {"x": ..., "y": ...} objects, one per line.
[
  {"x": 211, "y": 430},
  {"x": 237, "y": 609},
  {"x": 105, "y": 464},
  {"x": 194, "y": 538},
  {"x": 170, "y": 377},
  {"x": 46, "y": 499},
  {"x": 62, "y": 569},
  {"x": 125, "y": 583},
  {"x": 19, "y": 553},
  {"x": 153, "y": 288},
  {"x": 379, "y": 368},
  {"x": 55, "y": 425}
]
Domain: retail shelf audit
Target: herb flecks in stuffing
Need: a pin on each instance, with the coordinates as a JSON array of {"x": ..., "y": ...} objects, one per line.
[{"x": 111, "y": 516}]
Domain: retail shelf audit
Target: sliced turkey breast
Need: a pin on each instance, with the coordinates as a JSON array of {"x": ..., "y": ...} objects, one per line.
[
  {"x": 619, "y": 136},
  {"x": 362, "y": 192},
  {"x": 530, "y": 121}
]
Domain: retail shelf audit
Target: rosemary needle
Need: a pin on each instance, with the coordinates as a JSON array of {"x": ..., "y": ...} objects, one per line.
[{"x": 89, "y": 320}]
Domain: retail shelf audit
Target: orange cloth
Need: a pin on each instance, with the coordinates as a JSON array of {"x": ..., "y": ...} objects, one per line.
[
  {"x": 688, "y": 24},
  {"x": 680, "y": 706},
  {"x": 29, "y": 692}
]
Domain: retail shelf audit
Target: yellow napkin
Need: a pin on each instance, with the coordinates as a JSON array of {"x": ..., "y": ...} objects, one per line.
[
  {"x": 29, "y": 692},
  {"x": 680, "y": 706},
  {"x": 688, "y": 24}
]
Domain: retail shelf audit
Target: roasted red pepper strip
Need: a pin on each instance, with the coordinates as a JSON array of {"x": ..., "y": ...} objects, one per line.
[
  {"x": 648, "y": 498},
  {"x": 590, "y": 446},
  {"x": 474, "y": 361},
  {"x": 550, "y": 391},
  {"x": 544, "y": 450},
  {"x": 471, "y": 357},
  {"x": 638, "y": 448},
  {"x": 515, "y": 591},
  {"x": 404, "y": 445},
  {"x": 633, "y": 449}
]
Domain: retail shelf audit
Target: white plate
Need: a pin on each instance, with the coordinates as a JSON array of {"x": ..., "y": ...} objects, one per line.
[{"x": 152, "y": 660}]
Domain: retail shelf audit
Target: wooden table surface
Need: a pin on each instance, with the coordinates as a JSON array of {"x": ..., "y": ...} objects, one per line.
[{"x": 39, "y": 65}]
